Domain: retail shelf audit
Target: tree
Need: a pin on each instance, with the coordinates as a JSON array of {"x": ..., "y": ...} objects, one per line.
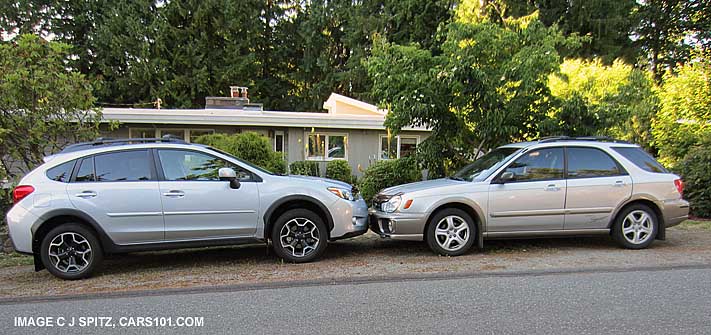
[
  {"x": 249, "y": 146},
  {"x": 590, "y": 98},
  {"x": 43, "y": 105},
  {"x": 487, "y": 87},
  {"x": 684, "y": 117}
]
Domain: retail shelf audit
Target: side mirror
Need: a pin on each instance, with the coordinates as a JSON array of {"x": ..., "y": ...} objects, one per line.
[
  {"x": 505, "y": 177},
  {"x": 229, "y": 174}
]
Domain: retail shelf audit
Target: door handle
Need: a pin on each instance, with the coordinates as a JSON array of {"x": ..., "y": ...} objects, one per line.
[
  {"x": 552, "y": 187},
  {"x": 86, "y": 194},
  {"x": 619, "y": 183},
  {"x": 174, "y": 194}
]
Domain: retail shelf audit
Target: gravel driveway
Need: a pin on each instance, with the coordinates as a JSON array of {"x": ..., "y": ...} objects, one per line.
[{"x": 365, "y": 256}]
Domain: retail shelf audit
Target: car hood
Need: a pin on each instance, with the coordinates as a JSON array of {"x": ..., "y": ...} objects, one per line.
[
  {"x": 325, "y": 181},
  {"x": 421, "y": 185}
]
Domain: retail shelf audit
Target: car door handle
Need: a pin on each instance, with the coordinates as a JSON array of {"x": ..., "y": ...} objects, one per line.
[
  {"x": 174, "y": 194},
  {"x": 619, "y": 183},
  {"x": 552, "y": 187},
  {"x": 86, "y": 194}
]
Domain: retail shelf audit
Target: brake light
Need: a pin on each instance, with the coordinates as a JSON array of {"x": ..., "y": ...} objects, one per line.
[
  {"x": 679, "y": 186},
  {"x": 20, "y": 192}
]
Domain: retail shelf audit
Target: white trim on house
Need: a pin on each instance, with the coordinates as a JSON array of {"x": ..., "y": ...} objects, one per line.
[
  {"x": 398, "y": 144},
  {"x": 332, "y": 106}
]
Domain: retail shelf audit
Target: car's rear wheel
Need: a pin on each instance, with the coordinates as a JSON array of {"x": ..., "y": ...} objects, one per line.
[
  {"x": 635, "y": 227},
  {"x": 70, "y": 251},
  {"x": 451, "y": 232},
  {"x": 299, "y": 236}
]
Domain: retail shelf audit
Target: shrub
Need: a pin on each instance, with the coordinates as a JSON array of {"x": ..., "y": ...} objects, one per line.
[
  {"x": 388, "y": 173},
  {"x": 249, "y": 146},
  {"x": 339, "y": 170},
  {"x": 694, "y": 169},
  {"x": 304, "y": 168}
]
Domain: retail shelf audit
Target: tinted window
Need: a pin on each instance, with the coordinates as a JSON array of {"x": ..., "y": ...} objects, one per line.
[
  {"x": 544, "y": 164},
  {"x": 86, "y": 170},
  {"x": 591, "y": 162},
  {"x": 642, "y": 159},
  {"x": 191, "y": 165},
  {"x": 61, "y": 172},
  {"x": 123, "y": 166},
  {"x": 483, "y": 167}
]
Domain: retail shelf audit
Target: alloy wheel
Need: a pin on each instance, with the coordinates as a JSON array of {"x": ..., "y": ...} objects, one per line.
[
  {"x": 299, "y": 236},
  {"x": 452, "y": 233},
  {"x": 637, "y": 227},
  {"x": 70, "y": 252}
]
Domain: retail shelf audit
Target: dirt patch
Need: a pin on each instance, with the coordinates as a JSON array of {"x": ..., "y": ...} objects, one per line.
[{"x": 364, "y": 256}]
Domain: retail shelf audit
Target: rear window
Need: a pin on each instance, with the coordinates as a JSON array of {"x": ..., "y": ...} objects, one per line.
[
  {"x": 61, "y": 172},
  {"x": 642, "y": 159}
]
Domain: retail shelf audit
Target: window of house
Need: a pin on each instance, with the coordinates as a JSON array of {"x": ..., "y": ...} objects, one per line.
[
  {"x": 142, "y": 132},
  {"x": 195, "y": 133},
  {"x": 179, "y": 133},
  {"x": 326, "y": 146},
  {"x": 279, "y": 141},
  {"x": 397, "y": 146}
]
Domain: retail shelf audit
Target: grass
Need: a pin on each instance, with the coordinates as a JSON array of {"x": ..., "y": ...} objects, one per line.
[
  {"x": 14, "y": 259},
  {"x": 695, "y": 225}
]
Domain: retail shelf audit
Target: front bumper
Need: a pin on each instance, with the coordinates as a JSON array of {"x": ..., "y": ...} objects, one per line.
[
  {"x": 675, "y": 212},
  {"x": 398, "y": 226},
  {"x": 350, "y": 219}
]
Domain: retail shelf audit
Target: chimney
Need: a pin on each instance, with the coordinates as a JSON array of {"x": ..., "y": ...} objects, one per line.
[
  {"x": 238, "y": 99},
  {"x": 239, "y": 92}
]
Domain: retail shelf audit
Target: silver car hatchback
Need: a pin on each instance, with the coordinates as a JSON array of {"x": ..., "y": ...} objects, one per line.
[{"x": 557, "y": 186}]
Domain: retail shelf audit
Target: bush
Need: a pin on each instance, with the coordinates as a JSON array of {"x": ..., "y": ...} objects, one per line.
[
  {"x": 249, "y": 146},
  {"x": 388, "y": 173},
  {"x": 339, "y": 170},
  {"x": 304, "y": 168},
  {"x": 694, "y": 169}
]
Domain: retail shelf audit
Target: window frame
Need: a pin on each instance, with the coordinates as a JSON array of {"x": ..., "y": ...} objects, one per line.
[
  {"x": 283, "y": 141},
  {"x": 398, "y": 145},
  {"x": 187, "y": 132},
  {"x": 327, "y": 136},
  {"x": 254, "y": 178},
  {"x": 620, "y": 168},
  {"x": 80, "y": 160}
]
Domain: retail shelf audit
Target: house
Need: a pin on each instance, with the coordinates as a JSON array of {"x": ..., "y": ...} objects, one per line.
[{"x": 351, "y": 130}]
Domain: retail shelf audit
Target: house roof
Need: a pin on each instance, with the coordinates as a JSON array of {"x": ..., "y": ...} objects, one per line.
[{"x": 343, "y": 113}]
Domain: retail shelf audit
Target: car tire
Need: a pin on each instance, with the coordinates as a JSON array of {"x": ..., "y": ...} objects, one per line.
[
  {"x": 451, "y": 232},
  {"x": 635, "y": 227},
  {"x": 299, "y": 236},
  {"x": 71, "y": 251}
]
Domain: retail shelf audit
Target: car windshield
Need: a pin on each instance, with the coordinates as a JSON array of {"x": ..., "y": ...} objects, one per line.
[
  {"x": 481, "y": 168},
  {"x": 260, "y": 169}
]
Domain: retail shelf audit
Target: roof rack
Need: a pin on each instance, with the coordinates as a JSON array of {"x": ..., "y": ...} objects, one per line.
[
  {"x": 104, "y": 142},
  {"x": 581, "y": 138}
]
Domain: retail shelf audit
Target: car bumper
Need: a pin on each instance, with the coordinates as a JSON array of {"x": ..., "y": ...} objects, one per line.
[
  {"x": 19, "y": 223},
  {"x": 350, "y": 219},
  {"x": 397, "y": 226},
  {"x": 675, "y": 212}
]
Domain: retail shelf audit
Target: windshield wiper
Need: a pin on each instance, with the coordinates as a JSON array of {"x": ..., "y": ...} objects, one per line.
[{"x": 456, "y": 178}]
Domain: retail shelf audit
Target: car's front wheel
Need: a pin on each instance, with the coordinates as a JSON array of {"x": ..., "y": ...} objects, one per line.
[
  {"x": 71, "y": 251},
  {"x": 635, "y": 227},
  {"x": 299, "y": 236},
  {"x": 451, "y": 232}
]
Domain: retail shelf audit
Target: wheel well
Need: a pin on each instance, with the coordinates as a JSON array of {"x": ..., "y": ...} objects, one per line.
[
  {"x": 293, "y": 204},
  {"x": 661, "y": 227},
  {"x": 458, "y": 205},
  {"x": 56, "y": 222}
]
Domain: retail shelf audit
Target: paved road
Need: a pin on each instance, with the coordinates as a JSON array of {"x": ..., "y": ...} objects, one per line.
[{"x": 662, "y": 301}]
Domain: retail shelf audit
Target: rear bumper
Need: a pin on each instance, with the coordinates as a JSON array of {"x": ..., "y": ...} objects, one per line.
[
  {"x": 675, "y": 212},
  {"x": 19, "y": 223}
]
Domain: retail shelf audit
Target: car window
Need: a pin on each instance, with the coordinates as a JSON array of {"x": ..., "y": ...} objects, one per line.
[
  {"x": 191, "y": 165},
  {"x": 591, "y": 162},
  {"x": 543, "y": 164},
  {"x": 641, "y": 158},
  {"x": 86, "y": 170},
  {"x": 131, "y": 165},
  {"x": 61, "y": 172}
]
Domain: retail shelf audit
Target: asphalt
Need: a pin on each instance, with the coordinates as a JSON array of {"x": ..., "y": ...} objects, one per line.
[{"x": 650, "y": 301}]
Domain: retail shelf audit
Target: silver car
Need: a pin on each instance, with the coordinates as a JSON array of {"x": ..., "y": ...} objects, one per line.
[
  {"x": 551, "y": 187},
  {"x": 115, "y": 196}
]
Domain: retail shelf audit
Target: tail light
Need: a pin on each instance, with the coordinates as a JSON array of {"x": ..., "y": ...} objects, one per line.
[
  {"x": 20, "y": 192},
  {"x": 679, "y": 186}
]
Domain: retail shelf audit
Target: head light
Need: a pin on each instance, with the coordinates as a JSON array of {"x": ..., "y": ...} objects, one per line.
[
  {"x": 392, "y": 204},
  {"x": 341, "y": 193}
]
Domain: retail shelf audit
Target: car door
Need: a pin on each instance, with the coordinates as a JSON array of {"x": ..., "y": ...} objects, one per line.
[
  {"x": 197, "y": 204},
  {"x": 119, "y": 190},
  {"x": 597, "y": 184},
  {"x": 535, "y": 199}
]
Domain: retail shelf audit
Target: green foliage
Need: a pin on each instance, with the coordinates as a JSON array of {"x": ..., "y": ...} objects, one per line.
[
  {"x": 488, "y": 86},
  {"x": 304, "y": 168},
  {"x": 590, "y": 98},
  {"x": 339, "y": 170},
  {"x": 694, "y": 169},
  {"x": 685, "y": 111},
  {"x": 43, "y": 105},
  {"x": 388, "y": 173},
  {"x": 249, "y": 146}
]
